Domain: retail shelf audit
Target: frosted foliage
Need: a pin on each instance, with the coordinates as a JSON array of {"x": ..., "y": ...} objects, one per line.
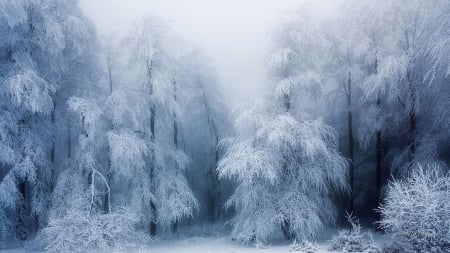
[
  {"x": 25, "y": 170},
  {"x": 250, "y": 116},
  {"x": 30, "y": 91},
  {"x": 89, "y": 113},
  {"x": 282, "y": 61},
  {"x": 417, "y": 210},
  {"x": 391, "y": 71},
  {"x": 257, "y": 217},
  {"x": 7, "y": 155},
  {"x": 128, "y": 153},
  {"x": 304, "y": 247},
  {"x": 9, "y": 195},
  {"x": 121, "y": 110},
  {"x": 78, "y": 34},
  {"x": 309, "y": 81},
  {"x": 69, "y": 194},
  {"x": 13, "y": 11},
  {"x": 246, "y": 163},
  {"x": 8, "y": 128},
  {"x": 148, "y": 36},
  {"x": 353, "y": 239},
  {"x": 81, "y": 232},
  {"x": 285, "y": 173},
  {"x": 55, "y": 33},
  {"x": 175, "y": 199},
  {"x": 296, "y": 61}
]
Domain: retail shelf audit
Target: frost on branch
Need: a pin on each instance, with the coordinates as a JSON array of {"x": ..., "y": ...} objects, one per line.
[
  {"x": 353, "y": 240},
  {"x": 122, "y": 109},
  {"x": 30, "y": 91},
  {"x": 303, "y": 247},
  {"x": 127, "y": 153},
  {"x": 417, "y": 210},
  {"x": 13, "y": 11},
  {"x": 88, "y": 112},
  {"x": 175, "y": 199},
  {"x": 82, "y": 232},
  {"x": 285, "y": 174},
  {"x": 245, "y": 163}
]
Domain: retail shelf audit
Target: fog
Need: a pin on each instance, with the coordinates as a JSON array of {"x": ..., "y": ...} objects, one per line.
[
  {"x": 224, "y": 126},
  {"x": 234, "y": 34}
]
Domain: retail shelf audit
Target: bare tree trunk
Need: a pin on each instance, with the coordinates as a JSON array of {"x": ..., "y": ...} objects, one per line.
[
  {"x": 412, "y": 125},
  {"x": 152, "y": 166},
  {"x": 379, "y": 157},
  {"x": 52, "y": 153},
  {"x": 287, "y": 102},
  {"x": 110, "y": 78},
  {"x": 69, "y": 139},
  {"x": 107, "y": 201},
  {"x": 22, "y": 214},
  {"x": 286, "y": 225},
  {"x": 379, "y": 148},
  {"x": 152, "y": 175},
  {"x": 214, "y": 191},
  {"x": 412, "y": 103},
  {"x": 175, "y": 137},
  {"x": 22, "y": 223},
  {"x": 350, "y": 140}
]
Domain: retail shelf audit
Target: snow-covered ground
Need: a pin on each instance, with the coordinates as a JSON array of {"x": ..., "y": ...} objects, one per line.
[
  {"x": 214, "y": 245},
  {"x": 211, "y": 245}
]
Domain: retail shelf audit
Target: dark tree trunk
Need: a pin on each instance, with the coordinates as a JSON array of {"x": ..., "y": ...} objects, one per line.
[
  {"x": 214, "y": 191},
  {"x": 350, "y": 140},
  {"x": 152, "y": 166},
  {"x": 286, "y": 225},
  {"x": 287, "y": 102},
  {"x": 22, "y": 217},
  {"x": 107, "y": 204},
  {"x": 152, "y": 175},
  {"x": 412, "y": 119},
  {"x": 69, "y": 140},
  {"x": 379, "y": 157},
  {"x": 175, "y": 137},
  {"x": 52, "y": 153},
  {"x": 412, "y": 134},
  {"x": 110, "y": 78}
]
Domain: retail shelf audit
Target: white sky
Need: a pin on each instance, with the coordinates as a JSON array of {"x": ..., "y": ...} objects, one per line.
[{"x": 234, "y": 34}]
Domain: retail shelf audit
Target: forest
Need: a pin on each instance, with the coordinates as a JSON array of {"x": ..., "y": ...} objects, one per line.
[{"x": 127, "y": 143}]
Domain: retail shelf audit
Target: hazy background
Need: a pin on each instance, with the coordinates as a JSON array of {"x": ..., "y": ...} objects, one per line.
[{"x": 234, "y": 34}]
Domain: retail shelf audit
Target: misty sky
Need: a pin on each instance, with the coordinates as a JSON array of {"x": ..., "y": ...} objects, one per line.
[{"x": 234, "y": 34}]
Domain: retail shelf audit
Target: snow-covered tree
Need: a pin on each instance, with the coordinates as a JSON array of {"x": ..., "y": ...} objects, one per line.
[
  {"x": 286, "y": 172},
  {"x": 143, "y": 151},
  {"x": 295, "y": 62},
  {"x": 29, "y": 49}
]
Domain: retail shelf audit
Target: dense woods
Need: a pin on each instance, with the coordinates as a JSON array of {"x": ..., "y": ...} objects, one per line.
[{"x": 115, "y": 141}]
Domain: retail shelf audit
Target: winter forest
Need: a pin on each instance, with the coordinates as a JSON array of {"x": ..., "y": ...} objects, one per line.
[{"x": 133, "y": 141}]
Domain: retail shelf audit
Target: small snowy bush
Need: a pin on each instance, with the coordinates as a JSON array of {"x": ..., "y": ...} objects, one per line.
[
  {"x": 393, "y": 247},
  {"x": 417, "y": 210},
  {"x": 81, "y": 232},
  {"x": 353, "y": 240},
  {"x": 303, "y": 247}
]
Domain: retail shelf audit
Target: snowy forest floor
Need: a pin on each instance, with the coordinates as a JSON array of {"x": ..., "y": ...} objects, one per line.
[{"x": 221, "y": 244}]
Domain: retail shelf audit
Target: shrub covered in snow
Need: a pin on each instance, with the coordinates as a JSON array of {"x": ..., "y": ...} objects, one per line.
[
  {"x": 353, "y": 240},
  {"x": 303, "y": 247},
  {"x": 417, "y": 210},
  {"x": 81, "y": 232}
]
